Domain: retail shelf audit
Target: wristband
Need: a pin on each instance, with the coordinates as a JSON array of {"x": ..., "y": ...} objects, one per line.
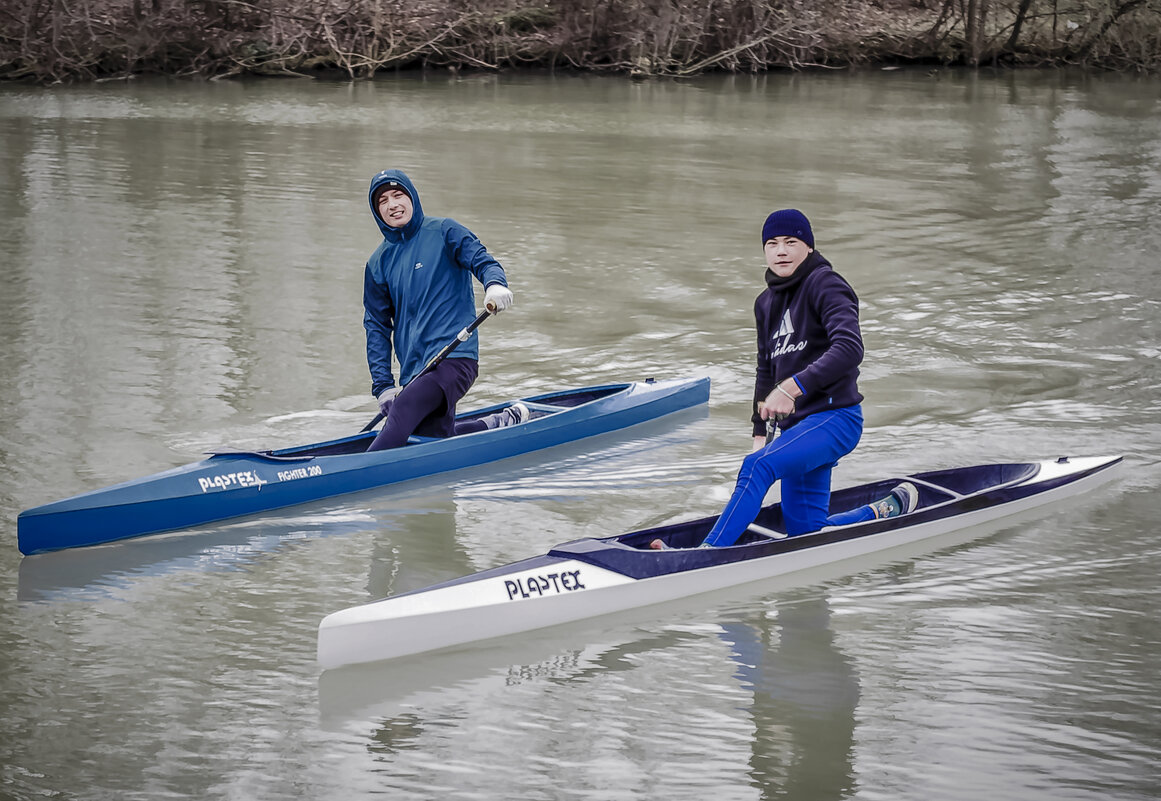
[{"x": 784, "y": 392}]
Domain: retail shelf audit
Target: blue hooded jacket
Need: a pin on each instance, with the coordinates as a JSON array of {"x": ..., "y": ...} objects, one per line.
[{"x": 417, "y": 289}]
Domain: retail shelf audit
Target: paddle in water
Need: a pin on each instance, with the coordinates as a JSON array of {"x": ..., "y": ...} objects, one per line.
[{"x": 462, "y": 336}]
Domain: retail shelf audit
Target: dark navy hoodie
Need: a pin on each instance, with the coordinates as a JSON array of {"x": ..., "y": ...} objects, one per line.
[{"x": 808, "y": 328}]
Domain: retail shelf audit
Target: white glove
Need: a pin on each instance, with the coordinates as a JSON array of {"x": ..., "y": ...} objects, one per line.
[
  {"x": 385, "y": 398},
  {"x": 497, "y": 297}
]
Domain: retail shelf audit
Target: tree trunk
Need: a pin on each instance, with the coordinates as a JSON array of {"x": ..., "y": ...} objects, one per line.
[
  {"x": 972, "y": 31},
  {"x": 1121, "y": 10},
  {"x": 1021, "y": 14}
]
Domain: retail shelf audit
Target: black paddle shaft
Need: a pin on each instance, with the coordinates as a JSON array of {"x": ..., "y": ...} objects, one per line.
[{"x": 462, "y": 336}]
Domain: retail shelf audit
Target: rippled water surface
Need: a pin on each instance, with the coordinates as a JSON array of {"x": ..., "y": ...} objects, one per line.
[{"x": 182, "y": 268}]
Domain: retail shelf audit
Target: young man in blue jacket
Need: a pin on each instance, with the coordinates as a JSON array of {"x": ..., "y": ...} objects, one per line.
[
  {"x": 417, "y": 296},
  {"x": 809, "y": 350}
]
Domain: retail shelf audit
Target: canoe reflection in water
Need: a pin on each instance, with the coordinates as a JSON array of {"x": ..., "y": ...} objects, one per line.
[{"x": 786, "y": 708}]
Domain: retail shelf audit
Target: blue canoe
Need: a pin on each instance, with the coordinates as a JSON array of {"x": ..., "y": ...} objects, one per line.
[{"x": 231, "y": 484}]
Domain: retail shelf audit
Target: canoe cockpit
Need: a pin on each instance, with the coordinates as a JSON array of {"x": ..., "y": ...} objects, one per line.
[
  {"x": 538, "y": 407},
  {"x": 942, "y": 493}
]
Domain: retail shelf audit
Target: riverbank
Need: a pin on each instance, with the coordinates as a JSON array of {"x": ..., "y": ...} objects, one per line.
[{"x": 47, "y": 41}]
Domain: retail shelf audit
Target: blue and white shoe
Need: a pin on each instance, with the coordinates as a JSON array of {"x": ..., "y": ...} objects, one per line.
[
  {"x": 908, "y": 497},
  {"x": 900, "y": 501},
  {"x": 516, "y": 413}
]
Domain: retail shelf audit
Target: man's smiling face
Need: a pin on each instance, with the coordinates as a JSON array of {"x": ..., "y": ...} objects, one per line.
[{"x": 395, "y": 208}]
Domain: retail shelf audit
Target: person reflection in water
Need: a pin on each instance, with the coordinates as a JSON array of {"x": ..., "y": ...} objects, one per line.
[
  {"x": 809, "y": 351},
  {"x": 417, "y": 297},
  {"x": 806, "y": 693}
]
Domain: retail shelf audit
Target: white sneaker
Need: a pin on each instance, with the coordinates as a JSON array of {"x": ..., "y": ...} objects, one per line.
[
  {"x": 516, "y": 413},
  {"x": 520, "y": 413}
]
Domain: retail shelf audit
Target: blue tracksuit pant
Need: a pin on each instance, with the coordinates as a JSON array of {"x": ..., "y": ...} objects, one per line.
[{"x": 802, "y": 459}]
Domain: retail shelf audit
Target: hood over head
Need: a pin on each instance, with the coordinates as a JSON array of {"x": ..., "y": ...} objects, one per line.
[{"x": 395, "y": 179}]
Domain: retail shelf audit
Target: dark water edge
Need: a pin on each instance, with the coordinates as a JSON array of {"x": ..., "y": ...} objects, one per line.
[{"x": 118, "y": 39}]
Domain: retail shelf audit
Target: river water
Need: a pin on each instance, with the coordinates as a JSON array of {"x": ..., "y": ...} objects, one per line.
[{"x": 181, "y": 267}]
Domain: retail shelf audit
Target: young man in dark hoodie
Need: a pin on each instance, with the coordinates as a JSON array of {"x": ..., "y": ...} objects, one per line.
[
  {"x": 809, "y": 350},
  {"x": 417, "y": 297}
]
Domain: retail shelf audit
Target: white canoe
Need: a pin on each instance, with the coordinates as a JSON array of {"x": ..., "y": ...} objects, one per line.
[{"x": 590, "y": 577}]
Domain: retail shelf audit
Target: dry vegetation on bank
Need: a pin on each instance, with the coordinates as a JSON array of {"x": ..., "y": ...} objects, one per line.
[{"x": 56, "y": 40}]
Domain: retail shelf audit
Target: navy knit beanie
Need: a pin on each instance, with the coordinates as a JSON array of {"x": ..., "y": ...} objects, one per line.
[
  {"x": 788, "y": 222},
  {"x": 379, "y": 191}
]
